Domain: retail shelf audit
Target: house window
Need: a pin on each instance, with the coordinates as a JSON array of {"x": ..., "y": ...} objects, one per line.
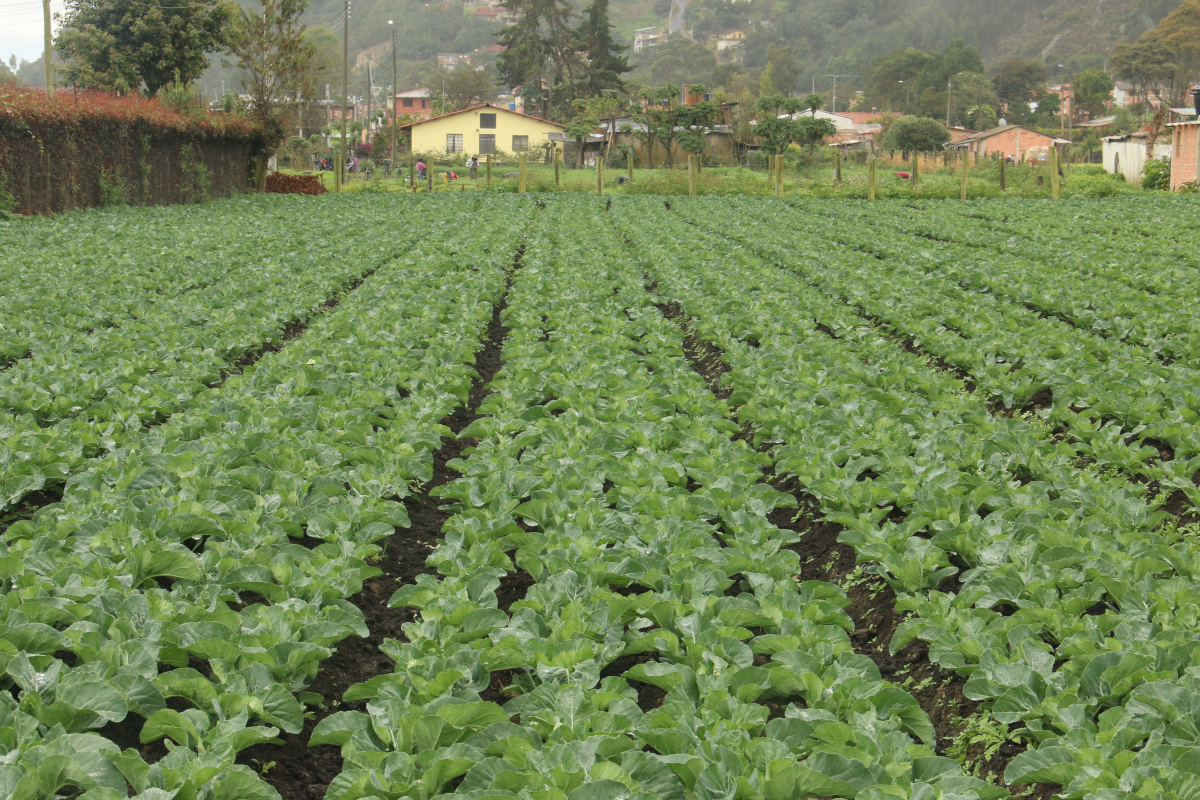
[
  {"x": 454, "y": 142},
  {"x": 487, "y": 121},
  {"x": 520, "y": 143},
  {"x": 408, "y": 103},
  {"x": 423, "y": 102},
  {"x": 487, "y": 143}
]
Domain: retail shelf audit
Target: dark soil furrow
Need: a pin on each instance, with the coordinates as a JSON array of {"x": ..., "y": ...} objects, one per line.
[
  {"x": 303, "y": 772},
  {"x": 293, "y": 329},
  {"x": 10, "y": 362},
  {"x": 872, "y": 606}
]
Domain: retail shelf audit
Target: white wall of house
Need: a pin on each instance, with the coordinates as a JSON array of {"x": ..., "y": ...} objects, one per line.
[{"x": 1128, "y": 156}]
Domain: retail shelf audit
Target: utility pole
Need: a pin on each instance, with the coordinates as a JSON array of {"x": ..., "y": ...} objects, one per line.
[
  {"x": 339, "y": 173},
  {"x": 48, "y": 51},
  {"x": 395, "y": 111},
  {"x": 835, "y": 77}
]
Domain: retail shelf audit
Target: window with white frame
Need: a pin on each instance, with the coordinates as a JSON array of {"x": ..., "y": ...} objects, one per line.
[{"x": 520, "y": 143}]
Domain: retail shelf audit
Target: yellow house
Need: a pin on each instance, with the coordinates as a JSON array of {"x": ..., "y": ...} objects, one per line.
[{"x": 480, "y": 130}]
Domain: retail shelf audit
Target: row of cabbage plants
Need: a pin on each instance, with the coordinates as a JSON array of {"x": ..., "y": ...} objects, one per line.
[
  {"x": 189, "y": 584},
  {"x": 1077, "y": 617},
  {"x": 1117, "y": 404},
  {"x": 83, "y": 390},
  {"x": 664, "y": 647},
  {"x": 1113, "y": 290},
  {"x": 95, "y": 269}
]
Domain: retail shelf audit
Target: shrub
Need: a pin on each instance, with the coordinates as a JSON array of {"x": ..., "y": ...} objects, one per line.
[{"x": 1156, "y": 174}]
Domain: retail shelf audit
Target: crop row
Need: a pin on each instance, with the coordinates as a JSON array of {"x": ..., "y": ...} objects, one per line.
[
  {"x": 81, "y": 393},
  {"x": 1113, "y": 291},
  {"x": 664, "y": 647},
  {"x": 188, "y": 585},
  {"x": 1075, "y": 618},
  {"x": 1120, "y": 407},
  {"x": 96, "y": 269}
]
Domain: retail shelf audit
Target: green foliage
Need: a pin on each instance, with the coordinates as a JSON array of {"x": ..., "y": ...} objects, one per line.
[
  {"x": 915, "y": 135},
  {"x": 113, "y": 189},
  {"x": 1093, "y": 91},
  {"x": 979, "y": 740},
  {"x": 117, "y": 46},
  {"x": 1156, "y": 174}
]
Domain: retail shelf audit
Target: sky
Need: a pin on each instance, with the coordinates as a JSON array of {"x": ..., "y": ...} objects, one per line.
[{"x": 21, "y": 28}]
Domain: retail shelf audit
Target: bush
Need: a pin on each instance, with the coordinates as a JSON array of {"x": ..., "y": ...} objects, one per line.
[{"x": 1156, "y": 174}]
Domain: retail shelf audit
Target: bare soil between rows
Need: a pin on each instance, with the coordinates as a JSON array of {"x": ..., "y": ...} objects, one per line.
[
  {"x": 303, "y": 772},
  {"x": 873, "y": 603}
]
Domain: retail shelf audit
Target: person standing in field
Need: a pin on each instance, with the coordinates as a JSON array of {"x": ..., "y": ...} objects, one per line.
[
  {"x": 421, "y": 169},
  {"x": 473, "y": 165}
]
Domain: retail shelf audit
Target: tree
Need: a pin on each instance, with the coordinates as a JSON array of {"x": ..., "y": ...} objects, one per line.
[
  {"x": 695, "y": 121},
  {"x": 325, "y": 66},
  {"x": 1146, "y": 63},
  {"x": 915, "y": 135},
  {"x": 466, "y": 86},
  {"x": 776, "y": 132},
  {"x": 270, "y": 51},
  {"x": 578, "y": 130},
  {"x": 893, "y": 82},
  {"x": 6, "y": 75},
  {"x": 813, "y": 102},
  {"x": 1179, "y": 32},
  {"x": 605, "y": 63},
  {"x": 117, "y": 46},
  {"x": 781, "y": 64},
  {"x": 683, "y": 61},
  {"x": 1092, "y": 90},
  {"x": 538, "y": 49},
  {"x": 1018, "y": 79}
]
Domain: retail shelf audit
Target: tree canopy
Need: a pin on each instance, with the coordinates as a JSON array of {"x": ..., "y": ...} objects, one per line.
[
  {"x": 915, "y": 135},
  {"x": 118, "y": 46}
]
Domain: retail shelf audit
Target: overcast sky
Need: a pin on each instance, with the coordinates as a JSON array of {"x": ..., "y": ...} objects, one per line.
[{"x": 21, "y": 28}]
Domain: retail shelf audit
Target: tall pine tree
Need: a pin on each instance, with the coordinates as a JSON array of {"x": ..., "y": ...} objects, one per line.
[
  {"x": 606, "y": 62},
  {"x": 537, "y": 48}
]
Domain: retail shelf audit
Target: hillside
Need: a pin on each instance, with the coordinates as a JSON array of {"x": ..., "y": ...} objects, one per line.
[{"x": 826, "y": 36}]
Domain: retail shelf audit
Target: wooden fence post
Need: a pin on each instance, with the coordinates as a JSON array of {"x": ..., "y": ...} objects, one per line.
[
  {"x": 915, "y": 167},
  {"x": 521, "y": 174},
  {"x": 1055, "y": 161},
  {"x": 871, "y": 179},
  {"x": 691, "y": 177},
  {"x": 557, "y": 162},
  {"x": 599, "y": 174},
  {"x": 962, "y": 186},
  {"x": 429, "y": 175},
  {"x": 489, "y": 169},
  {"x": 629, "y": 161},
  {"x": 837, "y": 166},
  {"x": 1002, "y": 160},
  {"x": 412, "y": 172}
]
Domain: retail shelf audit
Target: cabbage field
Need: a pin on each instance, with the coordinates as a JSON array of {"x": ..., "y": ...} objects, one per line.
[{"x": 582, "y": 498}]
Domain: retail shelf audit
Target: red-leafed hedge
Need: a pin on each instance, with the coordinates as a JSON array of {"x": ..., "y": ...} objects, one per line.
[
  {"x": 89, "y": 148},
  {"x": 294, "y": 184}
]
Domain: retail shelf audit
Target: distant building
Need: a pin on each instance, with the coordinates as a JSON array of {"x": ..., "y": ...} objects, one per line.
[
  {"x": 1185, "y": 142},
  {"x": 452, "y": 60},
  {"x": 1012, "y": 141},
  {"x": 957, "y": 133},
  {"x": 729, "y": 39},
  {"x": 645, "y": 38},
  {"x": 480, "y": 130},
  {"x": 1126, "y": 154},
  {"x": 415, "y": 103}
]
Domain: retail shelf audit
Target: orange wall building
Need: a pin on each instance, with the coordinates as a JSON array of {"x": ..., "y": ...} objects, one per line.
[
  {"x": 1184, "y": 143},
  {"x": 1008, "y": 140}
]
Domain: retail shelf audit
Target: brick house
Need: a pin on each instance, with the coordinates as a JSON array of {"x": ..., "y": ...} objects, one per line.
[
  {"x": 1010, "y": 140},
  {"x": 1185, "y": 140}
]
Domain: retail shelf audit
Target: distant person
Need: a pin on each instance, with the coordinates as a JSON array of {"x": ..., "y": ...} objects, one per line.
[
  {"x": 473, "y": 165},
  {"x": 421, "y": 170},
  {"x": 448, "y": 176}
]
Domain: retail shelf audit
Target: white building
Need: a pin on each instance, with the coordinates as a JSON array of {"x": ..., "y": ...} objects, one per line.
[{"x": 1126, "y": 154}]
